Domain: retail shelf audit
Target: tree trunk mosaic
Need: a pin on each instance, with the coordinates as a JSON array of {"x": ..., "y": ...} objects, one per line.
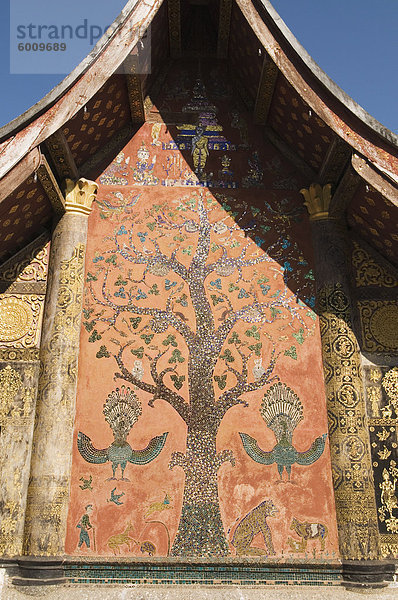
[{"x": 198, "y": 302}]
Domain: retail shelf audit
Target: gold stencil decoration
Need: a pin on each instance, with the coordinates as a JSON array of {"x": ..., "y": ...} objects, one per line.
[
  {"x": 20, "y": 320},
  {"x": 10, "y": 385},
  {"x": 390, "y": 385},
  {"x": 15, "y": 319},
  {"x": 379, "y": 321},
  {"x": 32, "y": 266},
  {"x": 368, "y": 271}
]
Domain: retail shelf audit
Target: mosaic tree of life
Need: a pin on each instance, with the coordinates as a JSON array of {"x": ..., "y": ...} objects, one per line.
[{"x": 204, "y": 345}]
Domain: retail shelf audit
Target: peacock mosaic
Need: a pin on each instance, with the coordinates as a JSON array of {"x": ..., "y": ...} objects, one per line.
[{"x": 201, "y": 425}]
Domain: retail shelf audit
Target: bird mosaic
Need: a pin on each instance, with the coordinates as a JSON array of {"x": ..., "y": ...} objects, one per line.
[
  {"x": 122, "y": 410},
  {"x": 282, "y": 411}
]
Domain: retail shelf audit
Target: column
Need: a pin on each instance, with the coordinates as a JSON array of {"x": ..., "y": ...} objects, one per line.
[
  {"x": 48, "y": 492},
  {"x": 349, "y": 440}
]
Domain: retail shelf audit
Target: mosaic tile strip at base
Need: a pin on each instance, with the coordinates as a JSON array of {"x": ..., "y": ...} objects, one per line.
[{"x": 204, "y": 574}]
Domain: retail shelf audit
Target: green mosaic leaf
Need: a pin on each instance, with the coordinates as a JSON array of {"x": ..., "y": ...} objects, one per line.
[
  {"x": 253, "y": 332},
  {"x": 263, "y": 279},
  {"x": 139, "y": 352},
  {"x": 154, "y": 290},
  {"x": 221, "y": 380},
  {"x": 216, "y": 299},
  {"x": 120, "y": 281},
  {"x": 87, "y": 312},
  {"x": 310, "y": 275},
  {"x": 310, "y": 313},
  {"x": 88, "y": 325},
  {"x": 234, "y": 339},
  {"x": 151, "y": 226},
  {"x": 227, "y": 356},
  {"x": 299, "y": 336},
  {"x": 91, "y": 277},
  {"x": 275, "y": 311},
  {"x": 232, "y": 287},
  {"x": 147, "y": 338},
  {"x": 256, "y": 348},
  {"x": 170, "y": 340},
  {"x": 94, "y": 336},
  {"x": 135, "y": 321},
  {"x": 111, "y": 259},
  {"x": 178, "y": 381},
  {"x": 292, "y": 352},
  {"x": 187, "y": 250},
  {"x": 176, "y": 357},
  {"x": 102, "y": 352}
]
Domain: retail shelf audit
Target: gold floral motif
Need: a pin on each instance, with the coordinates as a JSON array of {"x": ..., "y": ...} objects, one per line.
[
  {"x": 388, "y": 497},
  {"x": 48, "y": 493},
  {"x": 10, "y": 384},
  {"x": 379, "y": 321},
  {"x": 20, "y": 320},
  {"x": 374, "y": 397},
  {"x": 29, "y": 265},
  {"x": 368, "y": 271},
  {"x": 349, "y": 441},
  {"x": 390, "y": 385}
]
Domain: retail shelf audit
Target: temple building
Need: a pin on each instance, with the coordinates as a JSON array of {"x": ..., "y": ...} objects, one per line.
[{"x": 198, "y": 319}]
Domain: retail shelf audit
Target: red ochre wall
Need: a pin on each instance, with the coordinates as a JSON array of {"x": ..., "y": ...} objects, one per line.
[{"x": 252, "y": 210}]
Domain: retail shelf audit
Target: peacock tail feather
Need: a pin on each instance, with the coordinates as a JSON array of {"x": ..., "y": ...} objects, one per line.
[
  {"x": 122, "y": 409},
  {"x": 143, "y": 457},
  {"x": 88, "y": 452},
  {"x": 282, "y": 410}
]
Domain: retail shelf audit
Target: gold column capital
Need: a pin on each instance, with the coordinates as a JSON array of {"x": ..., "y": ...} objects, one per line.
[
  {"x": 79, "y": 196},
  {"x": 317, "y": 200}
]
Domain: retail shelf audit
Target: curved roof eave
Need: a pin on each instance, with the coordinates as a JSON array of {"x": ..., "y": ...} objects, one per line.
[
  {"x": 25, "y": 132},
  {"x": 59, "y": 90},
  {"x": 280, "y": 44},
  {"x": 326, "y": 81}
]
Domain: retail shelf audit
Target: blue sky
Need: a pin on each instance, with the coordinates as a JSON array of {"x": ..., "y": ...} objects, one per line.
[{"x": 354, "y": 41}]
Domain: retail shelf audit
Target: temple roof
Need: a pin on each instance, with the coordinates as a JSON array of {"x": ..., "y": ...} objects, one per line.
[{"x": 84, "y": 121}]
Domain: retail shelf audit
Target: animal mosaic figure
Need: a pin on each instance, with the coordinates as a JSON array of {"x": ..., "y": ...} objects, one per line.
[
  {"x": 116, "y": 541},
  {"x": 115, "y": 498},
  {"x": 307, "y": 531},
  {"x": 148, "y": 547},
  {"x": 86, "y": 485},
  {"x": 282, "y": 411},
  {"x": 158, "y": 506},
  {"x": 253, "y": 523},
  {"x": 121, "y": 409}
]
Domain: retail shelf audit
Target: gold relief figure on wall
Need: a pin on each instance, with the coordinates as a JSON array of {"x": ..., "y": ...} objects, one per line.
[
  {"x": 388, "y": 497},
  {"x": 199, "y": 150}
]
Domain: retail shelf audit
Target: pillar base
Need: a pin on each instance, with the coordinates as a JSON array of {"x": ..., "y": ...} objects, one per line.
[
  {"x": 367, "y": 573},
  {"x": 39, "y": 571}
]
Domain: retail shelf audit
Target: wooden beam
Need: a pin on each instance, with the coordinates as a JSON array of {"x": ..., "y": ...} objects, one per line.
[
  {"x": 174, "y": 10},
  {"x": 50, "y": 186},
  {"x": 224, "y": 27},
  {"x": 61, "y": 155},
  {"x": 19, "y": 173},
  {"x": 136, "y": 99},
  {"x": 375, "y": 179},
  {"x": 335, "y": 162},
  {"x": 344, "y": 192},
  {"x": 265, "y": 90}
]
